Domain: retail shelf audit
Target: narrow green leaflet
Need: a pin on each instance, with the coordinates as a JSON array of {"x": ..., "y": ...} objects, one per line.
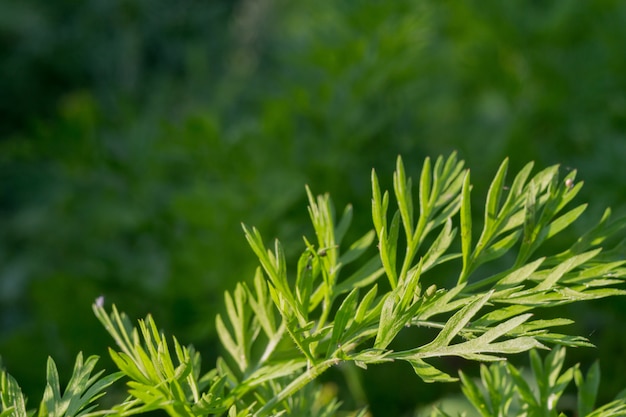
[
  {"x": 439, "y": 247},
  {"x": 402, "y": 188},
  {"x": 558, "y": 272},
  {"x": 344, "y": 316},
  {"x": 466, "y": 229},
  {"x": 429, "y": 373},
  {"x": 587, "y": 388},
  {"x": 456, "y": 323},
  {"x": 492, "y": 207},
  {"x": 12, "y": 401}
]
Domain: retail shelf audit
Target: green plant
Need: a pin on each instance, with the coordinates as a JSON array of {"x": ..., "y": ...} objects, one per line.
[
  {"x": 150, "y": 187},
  {"x": 76, "y": 400},
  {"x": 507, "y": 391},
  {"x": 346, "y": 304}
]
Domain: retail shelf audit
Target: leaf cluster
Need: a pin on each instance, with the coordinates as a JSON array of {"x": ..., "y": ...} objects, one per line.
[
  {"x": 76, "y": 400},
  {"x": 505, "y": 390},
  {"x": 347, "y": 303}
]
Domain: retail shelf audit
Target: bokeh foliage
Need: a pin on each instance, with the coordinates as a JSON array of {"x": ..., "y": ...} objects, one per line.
[{"x": 137, "y": 135}]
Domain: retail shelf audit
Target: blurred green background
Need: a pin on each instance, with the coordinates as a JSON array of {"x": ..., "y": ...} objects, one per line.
[{"x": 136, "y": 135}]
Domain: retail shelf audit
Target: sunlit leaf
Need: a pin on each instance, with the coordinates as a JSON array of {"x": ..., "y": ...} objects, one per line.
[{"x": 429, "y": 373}]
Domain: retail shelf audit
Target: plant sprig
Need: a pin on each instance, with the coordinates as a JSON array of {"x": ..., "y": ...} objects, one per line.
[
  {"x": 76, "y": 400},
  {"x": 504, "y": 390},
  {"x": 289, "y": 325},
  {"x": 522, "y": 216}
]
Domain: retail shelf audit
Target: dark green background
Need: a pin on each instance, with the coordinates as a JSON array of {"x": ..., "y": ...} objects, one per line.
[{"x": 136, "y": 135}]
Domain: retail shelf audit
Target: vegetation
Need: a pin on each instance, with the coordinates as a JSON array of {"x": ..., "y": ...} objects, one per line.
[
  {"x": 507, "y": 393},
  {"x": 135, "y": 137},
  {"x": 287, "y": 328}
]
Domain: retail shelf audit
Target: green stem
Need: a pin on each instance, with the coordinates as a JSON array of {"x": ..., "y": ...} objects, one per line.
[
  {"x": 326, "y": 305},
  {"x": 355, "y": 384},
  {"x": 296, "y": 385},
  {"x": 271, "y": 346},
  {"x": 436, "y": 325},
  {"x": 413, "y": 244}
]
